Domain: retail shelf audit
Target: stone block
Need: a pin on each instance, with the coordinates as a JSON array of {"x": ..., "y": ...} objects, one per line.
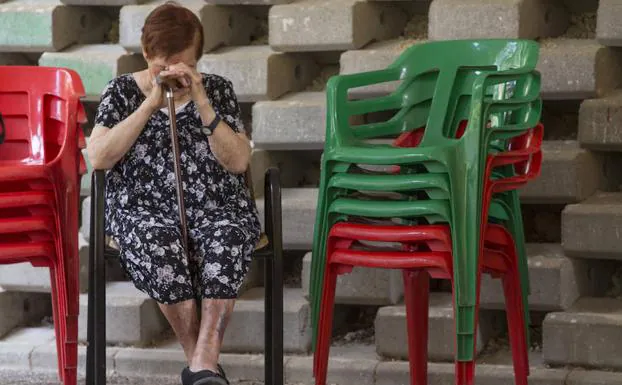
[
  {"x": 363, "y": 286},
  {"x": 591, "y": 229},
  {"x": 569, "y": 174},
  {"x": 48, "y": 25},
  {"x": 578, "y": 69},
  {"x": 20, "y": 308},
  {"x": 294, "y": 122},
  {"x": 245, "y": 332},
  {"x": 608, "y": 28},
  {"x": 556, "y": 280},
  {"x": 221, "y": 25},
  {"x": 600, "y": 123},
  {"x": 471, "y": 19},
  {"x": 96, "y": 65},
  {"x": 298, "y": 207},
  {"x": 332, "y": 25},
  {"x": 258, "y": 72},
  {"x": 132, "y": 318},
  {"x": 24, "y": 277},
  {"x": 586, "y": 335},
  {"x": 44, "y": 358},
  {"x": 391, "y": 336}
]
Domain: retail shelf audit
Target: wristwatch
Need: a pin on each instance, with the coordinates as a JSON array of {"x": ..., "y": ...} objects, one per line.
[{"x": 209, "y": 129}]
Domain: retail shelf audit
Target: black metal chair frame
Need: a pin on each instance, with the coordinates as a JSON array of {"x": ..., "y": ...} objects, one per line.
[{"x": 272, "y": 254}]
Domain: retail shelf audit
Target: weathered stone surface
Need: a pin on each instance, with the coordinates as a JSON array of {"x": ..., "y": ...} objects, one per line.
[
  {"x": 293, "y": 122},
  {"x": 245, "y": 332},
  {"x": 578, "y": 69},
  {"x": 569, "y": 174},
  {"x": 363, "y": 286},
  {"x": 556, "y": 280},
  {"x": 48, "y": 25},
  {"x": 14, "y": 58},
  {"x": 249, "y": 2},
  {"x": 591, "y": 229},
  {"x": 460, "y": 19},
  {"x": 96, "y": 64},
  {"x": 21, "y": 308},
  {"x": 131, "y": 316},
  {"x": 392, "y": 339},
  {"x": 298, "y": 216},
  {"x": 608, "y": 28},
  {"x": 600, "y": 122},
  {"x": 588, "y": 334},
  {"x": 321, "y": 25},
  {"x": 258, "y": 72},
  {"x": 221, "y": 25}
]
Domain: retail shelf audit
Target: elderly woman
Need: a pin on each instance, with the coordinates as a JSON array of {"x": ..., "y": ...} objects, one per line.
[{"x": 131, "y": 139}]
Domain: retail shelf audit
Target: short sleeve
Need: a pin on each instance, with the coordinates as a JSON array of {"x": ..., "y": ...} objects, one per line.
[
  {"x": 225, "y": 103},
  {"x": 112, "y": 107}
]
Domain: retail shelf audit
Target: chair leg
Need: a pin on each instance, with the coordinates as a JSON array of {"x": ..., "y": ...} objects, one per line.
[
  {"x": 273, "y": 281},
  {"x": 516, "y": 327},
  {"x": 416, "y": 298},
  {"x": 325, "y": 324},
  {"x": 58, "y": 328}
]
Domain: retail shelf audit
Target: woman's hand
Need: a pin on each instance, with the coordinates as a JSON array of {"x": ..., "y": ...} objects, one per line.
[
  {"x": 188, "y": 77},
  {"x": 155, "y": 99}
]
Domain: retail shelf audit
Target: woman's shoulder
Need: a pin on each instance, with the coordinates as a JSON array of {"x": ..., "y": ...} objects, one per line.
[
  {"x": 123, "y": 83},
  {"x": 216, "y": 82}
]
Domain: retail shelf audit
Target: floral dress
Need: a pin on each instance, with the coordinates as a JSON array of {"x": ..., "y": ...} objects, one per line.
[{"x": 141, "y": 200}]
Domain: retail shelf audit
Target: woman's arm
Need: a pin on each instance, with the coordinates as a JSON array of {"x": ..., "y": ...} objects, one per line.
[
  {"x": 114, "y": 133},
  {"x": 232, "y": 149}
]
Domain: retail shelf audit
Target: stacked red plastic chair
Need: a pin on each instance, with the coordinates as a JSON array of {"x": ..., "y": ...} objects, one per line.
[{"x": 41, "y": 165}]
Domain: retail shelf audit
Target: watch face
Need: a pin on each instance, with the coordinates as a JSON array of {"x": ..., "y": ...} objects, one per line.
[{"x": 206, "y": 131}]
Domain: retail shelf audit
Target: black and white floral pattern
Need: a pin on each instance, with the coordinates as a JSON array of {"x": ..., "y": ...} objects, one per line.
[{"x": 141, "y": 200}]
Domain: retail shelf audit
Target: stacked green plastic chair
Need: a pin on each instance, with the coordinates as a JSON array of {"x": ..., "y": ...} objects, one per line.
[{"x": 442, "y": 84}]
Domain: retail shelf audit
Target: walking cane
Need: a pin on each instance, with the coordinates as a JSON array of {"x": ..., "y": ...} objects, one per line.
[{"x": 176, "y": 160}]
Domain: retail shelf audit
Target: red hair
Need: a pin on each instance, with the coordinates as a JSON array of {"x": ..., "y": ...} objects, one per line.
[{"x": 170, "y": 29}]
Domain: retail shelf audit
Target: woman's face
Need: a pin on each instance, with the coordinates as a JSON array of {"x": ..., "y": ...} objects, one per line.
[{"x": 159, "y": 64}]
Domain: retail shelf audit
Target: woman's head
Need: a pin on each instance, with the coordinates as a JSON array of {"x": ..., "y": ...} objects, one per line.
[{"x": 171, "y": 34}]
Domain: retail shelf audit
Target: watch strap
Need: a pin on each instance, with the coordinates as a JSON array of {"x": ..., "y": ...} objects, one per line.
[{"x": 209, "y": 129}]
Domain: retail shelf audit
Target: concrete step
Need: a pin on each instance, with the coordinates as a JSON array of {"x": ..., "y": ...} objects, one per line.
[
  {"x": 31, "y": 353},
  {"x": 48, "y": 25},
  {"x": 608, "y": 28},
  {"x": 245, "y": 333},
  {"x": 19, "y": 308},
  {"x": 96, "y": 64},
  {"x": 556, "y": 280},
  {"x": 222, "y": 25},
  {"x": 295, "y": 121},
  {"x": 586, "y": 335},
  {"x": 569, "y": 174},
  {"x": 332, "y": 25},
  {"x": 570, "y": 68},
  {"x": 590, "y": 229},
  {"x": 391, "y": 333},
  {"x": 363, "y": 286},
  {"x": 260, "y": 73},
  {"x": 298, "y": 206},
  {"x": 600, "y": 122},
  {"x": 460, "y": 19},
  {"x": 132, "y": 318}
]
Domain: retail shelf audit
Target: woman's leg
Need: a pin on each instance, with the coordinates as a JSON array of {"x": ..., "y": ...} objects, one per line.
[
  {"x": 153, "y": 257},
  {"x": 225, "y": 251}
]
